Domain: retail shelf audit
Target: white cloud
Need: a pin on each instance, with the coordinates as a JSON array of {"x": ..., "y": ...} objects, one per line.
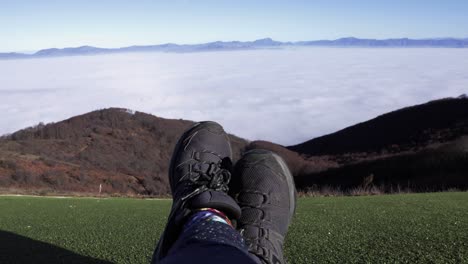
[{"x": 286, "y": 96}]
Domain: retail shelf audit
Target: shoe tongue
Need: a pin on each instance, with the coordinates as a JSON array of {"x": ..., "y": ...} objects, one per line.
[
  {"x": 216, "y": 200},
  {"x": 206, "y": 157},
  {"x": 204, "y": 167}
]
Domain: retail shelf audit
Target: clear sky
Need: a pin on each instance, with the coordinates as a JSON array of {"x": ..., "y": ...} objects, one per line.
[{"x": 28, "y": 25}]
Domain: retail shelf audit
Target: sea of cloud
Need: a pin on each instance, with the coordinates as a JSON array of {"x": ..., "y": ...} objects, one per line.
[{"x": 285, "y": 96}]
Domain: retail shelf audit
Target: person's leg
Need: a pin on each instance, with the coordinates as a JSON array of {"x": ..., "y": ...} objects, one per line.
[
  {"x": 209, "y": 237},
  {"x": 264, "y": 188},
  {"x": 199, "y": 174}
]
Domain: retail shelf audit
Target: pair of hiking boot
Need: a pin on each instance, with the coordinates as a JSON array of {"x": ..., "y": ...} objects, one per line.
[{"x": 261, "y": 195}]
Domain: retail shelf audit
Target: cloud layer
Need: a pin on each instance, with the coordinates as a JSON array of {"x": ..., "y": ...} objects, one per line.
[{"x": 285, "y": 96}]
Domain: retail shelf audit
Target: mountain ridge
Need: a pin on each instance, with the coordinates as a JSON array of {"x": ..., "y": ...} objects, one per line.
[
  {"x": 386, "y": 130},
  {"x": 264, "y": 43}
]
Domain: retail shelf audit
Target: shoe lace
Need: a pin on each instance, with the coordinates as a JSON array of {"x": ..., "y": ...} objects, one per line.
[{"x": 216, "y": 176}]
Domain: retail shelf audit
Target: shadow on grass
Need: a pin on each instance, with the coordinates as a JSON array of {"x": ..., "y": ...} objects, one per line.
[{"x": 19, "y": 249}]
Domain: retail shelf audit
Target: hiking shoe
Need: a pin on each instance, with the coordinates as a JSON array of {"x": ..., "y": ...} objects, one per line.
[
  {"x": 199, "y": 174},
  {"x": 264, "y": 189}
]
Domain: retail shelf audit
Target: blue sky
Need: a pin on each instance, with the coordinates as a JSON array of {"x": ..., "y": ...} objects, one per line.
[{"x": 28, "y": 25}]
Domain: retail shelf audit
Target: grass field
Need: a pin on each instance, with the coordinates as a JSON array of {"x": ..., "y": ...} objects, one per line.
[{"x": 409, "y": 228}]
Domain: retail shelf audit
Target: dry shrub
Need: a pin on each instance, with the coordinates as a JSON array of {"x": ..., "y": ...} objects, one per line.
[
  {"x": 361, "y": 191},
  {"x": 323, "y": 191}
]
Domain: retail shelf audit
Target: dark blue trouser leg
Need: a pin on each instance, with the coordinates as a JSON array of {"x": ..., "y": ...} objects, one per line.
[
  {"x": 209, "y": 253},
  {"x": 209, "y": 242}
]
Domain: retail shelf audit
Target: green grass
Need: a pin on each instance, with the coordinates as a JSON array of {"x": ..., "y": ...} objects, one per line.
[{"x": 411, "y": 228}]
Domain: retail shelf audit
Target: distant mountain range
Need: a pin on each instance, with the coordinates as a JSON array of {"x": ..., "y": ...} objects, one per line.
[{"x": 266, "y": 43}]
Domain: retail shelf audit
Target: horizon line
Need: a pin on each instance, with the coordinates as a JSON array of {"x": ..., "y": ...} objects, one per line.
[{"x": 32, "y": 52}]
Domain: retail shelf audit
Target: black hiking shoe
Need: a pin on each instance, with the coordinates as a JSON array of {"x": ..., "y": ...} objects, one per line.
[
  {"x": 199, "y": 174},
  {"x": 264, "y": 189}
]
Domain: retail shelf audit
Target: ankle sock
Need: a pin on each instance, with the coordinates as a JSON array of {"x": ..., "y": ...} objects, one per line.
[
  {"x": 208, "y": 225},
  {"x": 206, "y": 215}
]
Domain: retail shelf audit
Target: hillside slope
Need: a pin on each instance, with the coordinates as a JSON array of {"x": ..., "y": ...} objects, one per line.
[
  {"x": 127, "y": 152},
  {"x": 421, "y": 148},
  {"x": 405, "y": 129}
]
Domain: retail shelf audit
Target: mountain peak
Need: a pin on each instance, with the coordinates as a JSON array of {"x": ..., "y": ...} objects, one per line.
[{"x": 266, "y": 41}]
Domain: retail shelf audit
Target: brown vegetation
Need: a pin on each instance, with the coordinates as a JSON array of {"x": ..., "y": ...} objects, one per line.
[
  {"x": 128, "y": 153},
  {"x": 420, "y": 148}
]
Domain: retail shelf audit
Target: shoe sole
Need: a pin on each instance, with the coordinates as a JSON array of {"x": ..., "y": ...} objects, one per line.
[{"x": 290, "y": 183}]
